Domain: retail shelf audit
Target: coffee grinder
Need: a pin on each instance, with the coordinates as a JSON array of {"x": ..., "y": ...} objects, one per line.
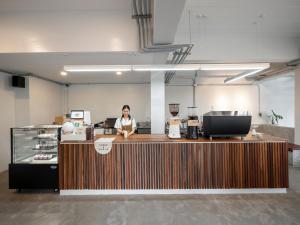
[
  {"x": 174, "y": 121},
  {"x": 193, "y": 123}
]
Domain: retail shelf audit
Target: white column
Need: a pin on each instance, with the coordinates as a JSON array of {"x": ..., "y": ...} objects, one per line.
[
  {"x": 157, "y": 103},
  {"x": 297, "y": 106}
]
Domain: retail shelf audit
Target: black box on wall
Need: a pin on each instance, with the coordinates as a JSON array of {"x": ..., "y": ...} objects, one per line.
[{"x": 18, "y": 81}]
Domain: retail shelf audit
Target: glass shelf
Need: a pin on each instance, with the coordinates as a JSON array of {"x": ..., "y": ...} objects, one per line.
[{"x": 35, "y": 144}]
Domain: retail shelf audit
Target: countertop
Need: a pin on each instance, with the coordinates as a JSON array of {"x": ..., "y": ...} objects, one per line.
[{"x": 153, "y": 138}]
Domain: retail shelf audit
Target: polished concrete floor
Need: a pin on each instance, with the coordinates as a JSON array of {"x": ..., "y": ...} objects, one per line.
[{"x": 50, "y": 209}]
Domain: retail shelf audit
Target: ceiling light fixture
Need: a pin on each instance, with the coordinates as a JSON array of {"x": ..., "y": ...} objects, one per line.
[
  {"x": 97, "y": 68},
  {"x": 119, "y": 73},
  {"x": 63, "y": 73},
  {"x": 167, "y": 67},
  {"x": 126, "y": 68},
  {"x": 240, "y": 76},
  {"x": 245, "y": 66}
]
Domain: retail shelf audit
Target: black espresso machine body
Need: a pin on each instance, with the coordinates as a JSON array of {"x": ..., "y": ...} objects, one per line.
[{"x": 226, "y": 124}]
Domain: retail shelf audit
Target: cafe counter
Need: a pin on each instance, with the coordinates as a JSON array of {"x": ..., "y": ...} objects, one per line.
[{"x": 155, "y": 164}]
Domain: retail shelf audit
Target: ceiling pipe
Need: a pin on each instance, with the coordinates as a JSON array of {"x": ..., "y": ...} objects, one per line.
[
  {"x": 277, "y": 70},
  {"x": 181, "y": 57},
  {"x": 142, "y": 13},
  {"x": 294, "y": 62}
]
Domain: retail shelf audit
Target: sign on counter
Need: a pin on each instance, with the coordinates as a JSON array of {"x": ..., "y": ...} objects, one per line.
[{"x": 103, "y": 145}]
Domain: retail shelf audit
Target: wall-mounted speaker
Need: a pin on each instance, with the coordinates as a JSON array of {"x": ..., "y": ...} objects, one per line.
[{"x": 18, "y": 81}]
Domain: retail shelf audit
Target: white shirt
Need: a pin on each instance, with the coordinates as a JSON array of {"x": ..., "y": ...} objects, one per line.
[{"x": 125, "y": 122}]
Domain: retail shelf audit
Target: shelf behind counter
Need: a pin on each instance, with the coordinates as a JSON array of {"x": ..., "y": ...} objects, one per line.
[{"x": 155, "y": 162}]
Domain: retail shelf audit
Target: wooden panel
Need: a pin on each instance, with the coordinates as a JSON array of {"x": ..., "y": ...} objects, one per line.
[{"x": 175, "y": 166}]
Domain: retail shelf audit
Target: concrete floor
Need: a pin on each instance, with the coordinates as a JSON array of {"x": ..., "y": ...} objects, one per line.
[{"x": 50, "y": 209}]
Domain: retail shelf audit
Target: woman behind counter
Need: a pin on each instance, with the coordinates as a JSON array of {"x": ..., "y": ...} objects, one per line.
[{"x": 125, "y": 125}]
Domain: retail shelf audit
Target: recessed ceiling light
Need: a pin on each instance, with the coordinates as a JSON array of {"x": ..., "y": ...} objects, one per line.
[
  {"x": 63, "y": 73},
  {"x": 119, "y": 73}
]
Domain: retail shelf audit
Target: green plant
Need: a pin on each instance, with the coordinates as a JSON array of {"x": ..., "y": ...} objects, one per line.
[{"x": 275, "y": 117}]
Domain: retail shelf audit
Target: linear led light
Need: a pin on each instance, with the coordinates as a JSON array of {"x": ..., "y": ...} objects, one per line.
[
  {"x": 97, "y": 68},
  {"x": 124, "y": 68},
  {"x": 167, "y": 67},
  {"x": 164, "y": 67},
  {"x": 245, "y": 66},
  {"x": 240, "y": 76}
]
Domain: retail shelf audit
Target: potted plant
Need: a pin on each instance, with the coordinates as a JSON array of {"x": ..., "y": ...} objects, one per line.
[{"x": 275, "y": 117}]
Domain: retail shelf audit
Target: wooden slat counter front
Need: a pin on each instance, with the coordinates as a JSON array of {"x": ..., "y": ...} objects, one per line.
[{"x": 157, "y": 162}]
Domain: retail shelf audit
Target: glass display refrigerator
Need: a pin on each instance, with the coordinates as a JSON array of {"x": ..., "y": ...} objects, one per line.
[{"x": 34, "y": 157}]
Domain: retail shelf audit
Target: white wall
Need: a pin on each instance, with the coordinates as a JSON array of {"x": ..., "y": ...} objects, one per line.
[
  {"x": 46, "y": 101},
  {"x": 240, "y": 98},
  {"x": 278, "y": 95},
  {"x": 38, "y": 103},
  {"x": 7, "y": 119},
  {"x": 207, "y": 97},
  {"x": 297, "y": 106},
  {"x": 179, "y": 94},
  {"x": 107, "y": 100}
]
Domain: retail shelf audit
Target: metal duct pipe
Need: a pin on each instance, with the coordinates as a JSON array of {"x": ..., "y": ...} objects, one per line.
[
  {"x": 276, "y": 69},
  {"x": 295, "y": 62},
  {"x": 166, "y": 48},
  {"x": 141, "y": 12},
  {"x": 278, "y": 72},
  {"x": 181, "y": 56}
]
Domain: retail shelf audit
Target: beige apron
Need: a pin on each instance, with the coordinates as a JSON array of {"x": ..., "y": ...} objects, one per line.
[{"x": 128, "y": 128}]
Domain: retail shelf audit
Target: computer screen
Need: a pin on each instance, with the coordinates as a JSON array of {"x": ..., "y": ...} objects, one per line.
[{"x": 77, "y": 114}]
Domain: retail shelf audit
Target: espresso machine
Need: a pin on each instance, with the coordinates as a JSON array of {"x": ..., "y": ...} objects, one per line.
[
  {"x": 174, "y": 121},
  {"x": 193, "y": 123}
]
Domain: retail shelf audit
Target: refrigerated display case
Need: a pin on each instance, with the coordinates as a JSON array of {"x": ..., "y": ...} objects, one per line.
[{"x": 34, "y": 154}]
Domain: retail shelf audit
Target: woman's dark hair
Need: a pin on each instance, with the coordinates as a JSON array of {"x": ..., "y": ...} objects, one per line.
[{"x": 126, "y": 107}]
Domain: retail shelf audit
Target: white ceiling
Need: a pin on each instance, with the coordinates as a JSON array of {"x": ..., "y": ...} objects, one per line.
[
  {"x": 49, "y": 65},
  {"x": 219, "y": 16},
  {"x": 214, "y": 23},
  {"x": 241, "y": 30},
  {"x": 63, "y": 5}
]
